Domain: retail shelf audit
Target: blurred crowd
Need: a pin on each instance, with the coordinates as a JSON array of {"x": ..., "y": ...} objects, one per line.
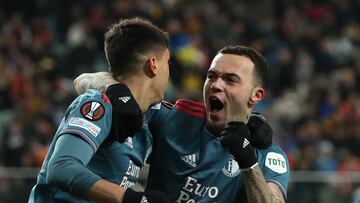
[{"x": 312, "y": 46}]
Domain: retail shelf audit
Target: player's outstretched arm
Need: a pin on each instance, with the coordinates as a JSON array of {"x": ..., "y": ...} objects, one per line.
[{"x": 99, "y": 80}]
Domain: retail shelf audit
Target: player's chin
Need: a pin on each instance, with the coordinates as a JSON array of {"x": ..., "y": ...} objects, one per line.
[
  {"x": 217, "y": 116},
  {"x": 216, "y": 124}
]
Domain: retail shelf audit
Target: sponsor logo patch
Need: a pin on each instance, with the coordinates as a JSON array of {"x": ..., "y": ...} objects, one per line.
[
  {"x": 276, "y": 162},
  {"x": 92, "y": 110},
  {"x": 84, "y": 124},
  {"x": 231, "y": 169}
]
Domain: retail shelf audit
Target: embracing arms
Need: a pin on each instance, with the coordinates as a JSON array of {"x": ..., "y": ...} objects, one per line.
[{"x": 257, "y": 188}]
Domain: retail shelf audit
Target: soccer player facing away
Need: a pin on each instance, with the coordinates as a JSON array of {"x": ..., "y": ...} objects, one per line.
[
  {"x": 205, "y": 152},
  {"x": 88, "y": 160}
]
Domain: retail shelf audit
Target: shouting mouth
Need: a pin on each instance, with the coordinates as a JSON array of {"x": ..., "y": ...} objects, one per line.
[{"x": 216, "y": 106}]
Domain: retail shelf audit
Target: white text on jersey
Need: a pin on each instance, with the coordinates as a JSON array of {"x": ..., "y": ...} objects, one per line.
[{"x": 193, "y": 187}]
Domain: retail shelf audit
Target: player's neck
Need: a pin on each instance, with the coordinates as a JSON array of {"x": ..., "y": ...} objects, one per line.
[
  {"x": 140, "y": 90},
  {"x": 213, "y": 130}
]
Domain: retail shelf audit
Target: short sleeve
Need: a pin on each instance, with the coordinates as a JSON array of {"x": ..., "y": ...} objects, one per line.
[
  {"x": 89, "y": 117},
  {"x": 275, "y": 166}
]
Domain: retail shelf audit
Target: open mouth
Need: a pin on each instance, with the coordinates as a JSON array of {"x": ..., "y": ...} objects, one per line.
[{"x": 215, "y": 104}]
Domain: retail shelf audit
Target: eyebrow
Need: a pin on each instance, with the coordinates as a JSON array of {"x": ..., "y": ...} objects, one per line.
[{"x": 228, "y": 75}]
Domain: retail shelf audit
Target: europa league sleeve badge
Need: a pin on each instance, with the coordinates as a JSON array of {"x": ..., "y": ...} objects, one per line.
[{"x": 92, "y": 111}]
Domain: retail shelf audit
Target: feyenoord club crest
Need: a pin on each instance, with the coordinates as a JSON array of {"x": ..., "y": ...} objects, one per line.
[
  {"x": 231, "y": 169},
  {"x": 92, "y": 110}
]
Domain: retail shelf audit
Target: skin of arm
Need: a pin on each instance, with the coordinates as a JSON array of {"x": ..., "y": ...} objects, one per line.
[
  {"x": 258, "y": 190},
  {"x": 67, "y": 170},
  {"x": 99, "y": 80}
]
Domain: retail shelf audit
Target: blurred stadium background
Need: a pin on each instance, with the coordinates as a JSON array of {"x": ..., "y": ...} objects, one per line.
[{"x": 313, "y": 101}]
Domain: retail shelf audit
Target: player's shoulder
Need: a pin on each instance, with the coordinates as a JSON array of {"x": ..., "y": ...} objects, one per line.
[
  {"x": 274, "y": 158},
  {"x": 191, "y": 108},
  {"x": 91, "y": 100},
  {"x": 274, "y": 148},
  {"x": 94, "y": 95},
  {"x": 163, "y": 105},
  {"x": 91, "y": 93},
  {"x": 187, "y": 108}
]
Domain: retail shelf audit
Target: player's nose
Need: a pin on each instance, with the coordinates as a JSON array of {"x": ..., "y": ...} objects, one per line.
[{"x": 217, "y": 85}]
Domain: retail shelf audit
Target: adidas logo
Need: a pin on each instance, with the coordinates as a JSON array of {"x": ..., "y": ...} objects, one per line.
[
  {"x": 125, "y": 99},
  {"x": 190, "y": 159},
  {"x": 144, "y": 200},
  {"x": 129, "y": 142},
  {"x": 245, "y": 143}
]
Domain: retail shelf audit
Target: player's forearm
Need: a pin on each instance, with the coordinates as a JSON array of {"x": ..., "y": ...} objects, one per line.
[
  {"x": 258, "y": 190},
  {"x": 66, "y": 166},
  {"x": 106, "y": 192},
  {"x": 66, "y": 170}
]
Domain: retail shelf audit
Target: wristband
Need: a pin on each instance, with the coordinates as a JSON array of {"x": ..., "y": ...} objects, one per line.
[{"x": 250, "y": 168}]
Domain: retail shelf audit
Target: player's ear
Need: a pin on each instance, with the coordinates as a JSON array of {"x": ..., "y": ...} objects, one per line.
[
  {"x": 257, "y": 95},
  {"x": 151, "y": 67}
]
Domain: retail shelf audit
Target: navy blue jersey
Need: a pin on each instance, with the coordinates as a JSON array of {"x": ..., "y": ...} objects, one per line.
[
  {"x": 190, "y": 165},
  {"x": 89, "y": 117}
]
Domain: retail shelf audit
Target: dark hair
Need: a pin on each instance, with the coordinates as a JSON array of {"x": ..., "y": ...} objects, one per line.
[
  {"x": 127, "y": 40},
  {"x": 261, "y": 66}
]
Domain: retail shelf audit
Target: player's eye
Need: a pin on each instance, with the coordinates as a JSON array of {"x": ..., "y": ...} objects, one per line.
[
  {"x": 210, "y": 75},
  {"x": 231, "y": 80}
]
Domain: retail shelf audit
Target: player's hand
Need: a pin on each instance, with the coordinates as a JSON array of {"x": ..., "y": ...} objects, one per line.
[
  {"x": 126, "y": 114},
  {"x": 149, "y": 196},
  {"x": 261, "y": 132},
  {"x": 99, "y": 81},
  {"x": 236, "y": 137}
]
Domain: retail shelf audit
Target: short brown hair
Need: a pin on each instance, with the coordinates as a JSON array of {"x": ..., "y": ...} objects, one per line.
[{"x": 124, "y": 41}]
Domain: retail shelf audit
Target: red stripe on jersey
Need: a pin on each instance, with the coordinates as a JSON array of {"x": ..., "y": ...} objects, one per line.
[
  {"x": 194, "y": 108},
  {"x": 191, "y": 113},
  {"x": 192, "y": 102},
  {"x": 105, "y": 98}
]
